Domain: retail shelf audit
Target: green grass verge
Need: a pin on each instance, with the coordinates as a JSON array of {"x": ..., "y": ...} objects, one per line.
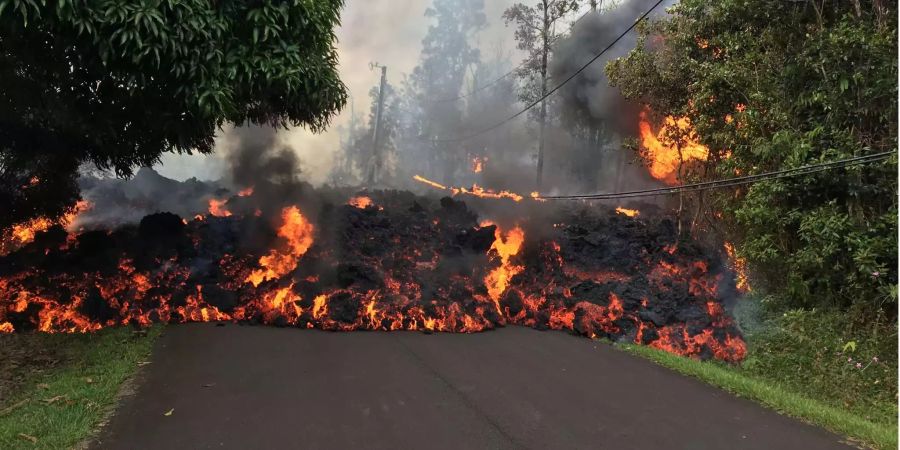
[
  {"x": 59, "y": 408},
  {"x": 790, "y": 403}
]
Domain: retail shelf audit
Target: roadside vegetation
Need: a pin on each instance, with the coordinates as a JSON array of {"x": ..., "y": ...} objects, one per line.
[
  {"x": 55, "y": 389},
  {"x": 770, "y": 85},
  {"x": 808, "y": 365}
]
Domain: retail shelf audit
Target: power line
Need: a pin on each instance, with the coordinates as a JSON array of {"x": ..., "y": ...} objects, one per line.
[
  {"x": 556, "y": 88},
  {"x": 729, "y": 182},
  {"x": 501, "y": 77}
]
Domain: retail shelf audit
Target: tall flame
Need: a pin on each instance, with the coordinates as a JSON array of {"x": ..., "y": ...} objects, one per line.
[
  {"x": 663, "y": 151},
  {"x": 297, "y": 231},
  {"x": 498, "y": 279},
  {"x": 739, "y": 265}
]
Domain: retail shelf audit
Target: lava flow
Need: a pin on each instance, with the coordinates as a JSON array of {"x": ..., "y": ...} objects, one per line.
[{"x": 409, "y": 264}]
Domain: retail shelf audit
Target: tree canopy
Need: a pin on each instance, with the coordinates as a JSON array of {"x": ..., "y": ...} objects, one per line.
[
  {"x": 772, "y": 84},
  {"x": 116, "y": 83}
]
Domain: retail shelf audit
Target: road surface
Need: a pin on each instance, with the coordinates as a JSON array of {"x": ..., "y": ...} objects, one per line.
[{"x": 248, "y": 387}]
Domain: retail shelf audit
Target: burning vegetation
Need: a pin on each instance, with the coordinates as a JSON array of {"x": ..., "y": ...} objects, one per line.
[
  {"x": 673, "y": 145},
  {"x": 388, "y": 261}
]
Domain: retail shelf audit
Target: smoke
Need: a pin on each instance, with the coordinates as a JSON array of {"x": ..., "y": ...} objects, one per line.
[
  {"x": 588, "y": 118},
  {"x": 595, "y": 115},
  {"x": 588, "y": 98}
]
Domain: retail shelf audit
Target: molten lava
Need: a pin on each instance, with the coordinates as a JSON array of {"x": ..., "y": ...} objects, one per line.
[
  {"x": 665, "y": 155},
  {"x": 23, "y": 233},
  {"x": 411, "y": 264}
]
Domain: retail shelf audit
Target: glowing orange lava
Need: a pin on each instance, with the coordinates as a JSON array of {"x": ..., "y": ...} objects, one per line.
[
  {"x": 23, "y": 233},
  {"x": 663, "y": 152}
]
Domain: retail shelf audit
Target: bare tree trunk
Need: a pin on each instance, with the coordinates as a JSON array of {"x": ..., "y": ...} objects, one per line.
[
  {"x": 543, "y": 118},
  {"x": 680, "y": 193}
]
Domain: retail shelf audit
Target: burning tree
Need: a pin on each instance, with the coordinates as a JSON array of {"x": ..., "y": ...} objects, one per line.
[{"x": 765, "y": 85}]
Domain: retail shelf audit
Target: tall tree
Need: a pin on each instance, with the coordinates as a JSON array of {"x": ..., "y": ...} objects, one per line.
[
  {"x": 770, "y": 85},
  {"x": 117, "y": 83},
  {"x": 446, "y": 56},
  {"x": 535, "y": 33}
]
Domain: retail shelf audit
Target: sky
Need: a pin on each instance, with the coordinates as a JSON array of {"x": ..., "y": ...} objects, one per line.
[{"x": 388, "y": 32}]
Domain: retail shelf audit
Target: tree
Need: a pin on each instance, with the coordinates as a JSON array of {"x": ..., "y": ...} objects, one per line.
[
  {"x": 535, "y": 32},
  {"x": 445, "y": 58},
  {"x": 117, "y": 83},
  {"x": 769, "y": 85}
]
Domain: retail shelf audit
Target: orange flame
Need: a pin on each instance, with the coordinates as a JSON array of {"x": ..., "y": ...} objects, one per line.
[
  {"x": 361, "y": 202},
  {"x": 478, "y": 163},
  {"x": 498, "y": 279},
  {"x": 739, "y": 265},
  {"x": 23, "y": 233},
  {"x": 628, "y": 212},
  {"x": 298, "y": 232},
  {"x": 422, "y": 179},
  {"x": 218, "y": 209},
  {"x": 246, "y": 192},
  {"x": 479, "y": 191},
  {"x": 663, "y": 151}
]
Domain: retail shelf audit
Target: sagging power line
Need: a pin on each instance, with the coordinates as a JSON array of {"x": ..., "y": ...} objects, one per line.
[
  {"x": 729, "y": 182},
  {"x": 556, "y": 88}
]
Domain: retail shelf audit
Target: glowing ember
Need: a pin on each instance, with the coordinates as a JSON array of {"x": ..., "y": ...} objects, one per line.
[
  {"x": 664, "y": 154},
  {"x": 246, "y": 192},
  {"x": 218, "y": 209},
  {"x": 628, "y": 212},
  {"x": 361, "y": 202}
]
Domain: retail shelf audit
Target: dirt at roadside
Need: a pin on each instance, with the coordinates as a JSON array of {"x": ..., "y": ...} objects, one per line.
[{"x": 26, "y": 358}]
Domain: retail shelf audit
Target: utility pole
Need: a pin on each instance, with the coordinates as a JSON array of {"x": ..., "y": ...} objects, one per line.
[
  {"x": 544, "y": 50},
  {"x": 376, "y": 154}
]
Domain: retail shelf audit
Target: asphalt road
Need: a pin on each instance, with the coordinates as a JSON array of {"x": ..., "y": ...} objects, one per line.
[{"x": 259, "y": 388}]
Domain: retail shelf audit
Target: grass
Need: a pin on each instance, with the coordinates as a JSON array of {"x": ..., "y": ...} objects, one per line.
[
  {"x": 59, "y": 406},
  {"x": 801, "y": 364}
]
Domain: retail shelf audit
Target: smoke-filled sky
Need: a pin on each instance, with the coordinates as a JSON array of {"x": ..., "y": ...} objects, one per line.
[{"x": 388, "y": 32}]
